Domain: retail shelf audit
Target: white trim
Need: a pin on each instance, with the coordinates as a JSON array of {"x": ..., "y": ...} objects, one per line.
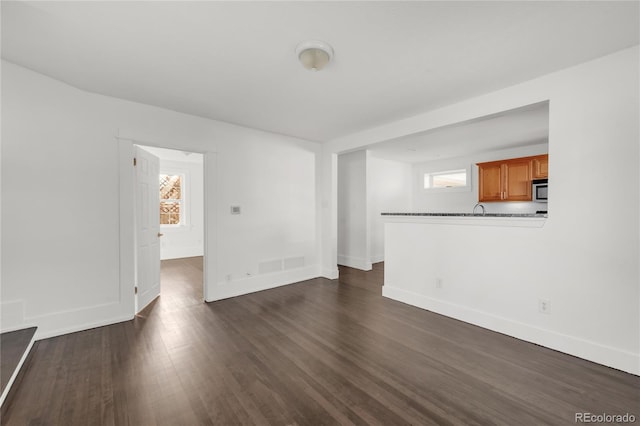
[
  {"x": 210, "y": 182},
  {"x": 19, "y": 327},
  {"x": 126, "y": 226},
  {"x": 377, "y": 259},
  {"x": 589, "y": 350},
  {"x": 12, "y": 315},
  {"x": 330, "y": 274},
  {"x": 87, "y": 326},
  {"x": 225, "y": 290},
  {"x": 355, "y": 262},
  {"x": 181, "y": 252},
  {"x": 72, "y": 320}
]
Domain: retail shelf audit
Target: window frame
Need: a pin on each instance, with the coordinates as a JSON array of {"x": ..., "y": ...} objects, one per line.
[
  {"x": 431, "y": 173},
  {"x": 182, "y": 201}
]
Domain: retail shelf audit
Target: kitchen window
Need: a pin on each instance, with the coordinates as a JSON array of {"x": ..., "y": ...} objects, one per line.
[{"x": 449, "y": 179}]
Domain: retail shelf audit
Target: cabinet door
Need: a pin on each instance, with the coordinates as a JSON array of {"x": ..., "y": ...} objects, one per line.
[
  {"x": 490, "y": 181},
  {"x": 517, "y": 180},
  {"x": 540, "y": 165}
]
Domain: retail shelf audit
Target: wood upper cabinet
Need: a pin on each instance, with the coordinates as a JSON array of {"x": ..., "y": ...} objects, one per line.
[
  {"x": 517, "y": 180},
  {"x": 540, "y": 167},
  {"x": 490, "y": 180},
  {"x": 509, "y": 180}
]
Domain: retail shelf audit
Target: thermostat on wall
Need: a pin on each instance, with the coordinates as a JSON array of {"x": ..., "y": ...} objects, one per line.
[{"x": 235, "y": 209}]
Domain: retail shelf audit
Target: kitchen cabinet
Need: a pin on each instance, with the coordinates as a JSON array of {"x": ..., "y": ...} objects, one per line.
[
  {"x": 505, "y": 180},
  {"x": 490, "y": 179},
  {"x": 540, "y": 167}
]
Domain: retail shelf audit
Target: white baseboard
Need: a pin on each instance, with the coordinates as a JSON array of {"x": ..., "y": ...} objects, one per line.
[
  {"x": 12, "y": 316},
  {"x": 180, "y": 252},
  {"x": 355, "y": 262},
  {"x": 227, "y": 289},
  {"x": 46, "y": 334},
  {"x": 377, "y": 259},
  {"x": 63, "y": 322},
  {"x": 589, "y": 350},
  {"x": 330, "y": 274}
]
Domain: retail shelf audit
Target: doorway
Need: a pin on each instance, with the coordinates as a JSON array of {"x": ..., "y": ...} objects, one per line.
[{"x": 175, "y": 202}]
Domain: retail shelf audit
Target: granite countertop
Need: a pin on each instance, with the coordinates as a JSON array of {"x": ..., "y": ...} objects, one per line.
[{"x": 470, "y": 214}]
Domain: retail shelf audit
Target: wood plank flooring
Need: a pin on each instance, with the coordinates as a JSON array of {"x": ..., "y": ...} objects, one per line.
[
  {"x": 318, "y": 352},
  {"x": 13, "y": 346}
]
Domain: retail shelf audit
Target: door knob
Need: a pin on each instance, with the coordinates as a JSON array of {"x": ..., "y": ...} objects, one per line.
[{"x": 160, "y": 234}]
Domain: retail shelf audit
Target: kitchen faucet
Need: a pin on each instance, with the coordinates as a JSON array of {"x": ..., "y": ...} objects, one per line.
[{"x": 478, "y": 205}]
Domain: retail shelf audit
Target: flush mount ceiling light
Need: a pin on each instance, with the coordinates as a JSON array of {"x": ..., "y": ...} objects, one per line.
[{"x": 314, "y": 55}]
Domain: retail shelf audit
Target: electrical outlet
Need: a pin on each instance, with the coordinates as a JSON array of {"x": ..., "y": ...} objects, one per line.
[
  {"x": 544, "y": 306},
  {"x": 438, "y": 282}
]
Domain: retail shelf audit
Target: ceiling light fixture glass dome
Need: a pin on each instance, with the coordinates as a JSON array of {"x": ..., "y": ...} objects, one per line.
[{"x": 314, "y": 55}]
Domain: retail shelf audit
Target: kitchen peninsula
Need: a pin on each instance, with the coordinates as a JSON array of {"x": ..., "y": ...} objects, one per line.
[
  {"x": 489, "y": 270},
  {"x": 532, "y": 220}
]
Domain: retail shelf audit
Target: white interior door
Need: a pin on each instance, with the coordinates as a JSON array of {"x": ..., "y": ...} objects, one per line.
[{"x": 147, "y": 207}]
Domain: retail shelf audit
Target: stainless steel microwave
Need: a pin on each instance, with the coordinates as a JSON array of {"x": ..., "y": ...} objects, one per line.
[{"x": 539, "y": 190}]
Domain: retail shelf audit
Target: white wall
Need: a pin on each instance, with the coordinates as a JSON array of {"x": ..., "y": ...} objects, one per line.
[
  {"x": 185, "y": 240},
  {"x": 64, "y": 218},
  {"x": 368, "y": 186},
  {"x": 390, "y": 190},
  {"x": 327, "y": 199},
  {"x": 590, "y": 248},
  {"x": 275, "y": 234},
  {"x": 435, "y": 201},
  {"x": 353, "y": 218}
]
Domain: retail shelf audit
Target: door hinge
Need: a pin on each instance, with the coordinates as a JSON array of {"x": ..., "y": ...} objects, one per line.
[
  {"x": 135, "y": 290},
  {"x": 135, "y": 162}
]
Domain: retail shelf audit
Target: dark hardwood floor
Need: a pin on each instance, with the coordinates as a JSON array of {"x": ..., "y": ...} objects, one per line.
[
  {"x": 13, "y": 346},
  {"x": 181, "y": 281},
  {"x": 318, "y": 352}
]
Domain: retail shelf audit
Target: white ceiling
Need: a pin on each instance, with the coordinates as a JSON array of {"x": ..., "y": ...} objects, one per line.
[
  {"x": 235, "y": 61},
  {"x": 510, "y": 129}
]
